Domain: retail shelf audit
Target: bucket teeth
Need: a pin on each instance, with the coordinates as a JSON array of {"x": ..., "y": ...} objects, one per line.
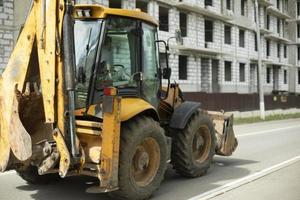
[
  {"x": 27, "y": 89},
  {"x": 31, "y": 88},
  {"x": 36, "y": 88}
]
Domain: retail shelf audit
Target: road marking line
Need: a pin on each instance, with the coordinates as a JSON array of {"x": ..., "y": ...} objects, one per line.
[
  {"x": 268, "y": 131},
  {"x": 245, "y": 180},
  {"x": 7, "y": 173}
]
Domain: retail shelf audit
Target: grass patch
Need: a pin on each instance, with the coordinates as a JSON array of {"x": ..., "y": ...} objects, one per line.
[{"x": 250, "y": 120}]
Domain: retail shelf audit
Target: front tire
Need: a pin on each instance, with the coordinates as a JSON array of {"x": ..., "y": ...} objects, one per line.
[
  {"x": 194, "y": 147},
  {"x": 143, "y": 159},
  {"x": 31, "y": 176}
]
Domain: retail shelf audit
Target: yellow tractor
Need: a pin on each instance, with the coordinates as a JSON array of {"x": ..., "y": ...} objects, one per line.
[{"x": 82, "y": 94}]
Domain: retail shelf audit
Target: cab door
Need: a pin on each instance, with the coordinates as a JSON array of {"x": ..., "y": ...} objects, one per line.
[{"x": 150, "y": 83}]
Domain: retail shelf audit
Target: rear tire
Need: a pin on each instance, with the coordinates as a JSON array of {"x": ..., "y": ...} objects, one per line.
[
  {"x": 194, "y": 147},
  {"x": 31, "y": 176},
  {"x": 143, "y": 159}
]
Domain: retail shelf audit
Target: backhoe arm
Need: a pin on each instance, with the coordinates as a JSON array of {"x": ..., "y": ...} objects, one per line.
[{"x": 36, "y": 50}]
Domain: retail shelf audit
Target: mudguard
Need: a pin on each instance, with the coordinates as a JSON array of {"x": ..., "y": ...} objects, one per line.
[
  {"x": 130, "y": 107},
  {"x": 183, "y": 113}
]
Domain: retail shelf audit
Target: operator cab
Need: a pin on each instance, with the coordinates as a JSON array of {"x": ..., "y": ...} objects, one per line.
[{"x": 115, "y": 48}]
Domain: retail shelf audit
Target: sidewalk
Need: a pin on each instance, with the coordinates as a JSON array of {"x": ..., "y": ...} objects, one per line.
[{"x": 280, "y": 185}]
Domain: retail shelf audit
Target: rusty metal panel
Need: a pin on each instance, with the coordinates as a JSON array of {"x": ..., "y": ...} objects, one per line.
[{"x": 110, "y": 147}]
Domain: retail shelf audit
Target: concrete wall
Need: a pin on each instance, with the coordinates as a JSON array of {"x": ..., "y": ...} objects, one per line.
[
  {"x": 6, "y": 31},
  {"x": 194, "y": 45}
]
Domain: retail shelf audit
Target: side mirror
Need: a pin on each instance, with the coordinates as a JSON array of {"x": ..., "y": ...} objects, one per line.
[
  {"x": 178, "y": 36},
  {"x": 166, "y": 73}
]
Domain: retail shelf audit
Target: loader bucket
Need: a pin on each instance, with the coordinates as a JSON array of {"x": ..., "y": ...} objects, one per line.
[{"x": 226, "y": 140}]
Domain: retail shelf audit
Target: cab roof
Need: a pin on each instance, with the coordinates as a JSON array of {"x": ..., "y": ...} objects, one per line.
[{"x": 98, "y": 11}]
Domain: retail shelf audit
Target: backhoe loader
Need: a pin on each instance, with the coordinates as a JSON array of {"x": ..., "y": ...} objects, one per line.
[{"x": 83, "y": 94}]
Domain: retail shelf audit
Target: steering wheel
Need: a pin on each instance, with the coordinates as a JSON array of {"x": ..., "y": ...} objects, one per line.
[
  {"x": 121, "y": 67},
  {"x": 120, "y": 70}
]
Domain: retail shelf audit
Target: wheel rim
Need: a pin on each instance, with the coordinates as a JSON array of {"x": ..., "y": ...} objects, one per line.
[
  {"x": 201, "y": 144},
  {"x": 145, "y": 162}
]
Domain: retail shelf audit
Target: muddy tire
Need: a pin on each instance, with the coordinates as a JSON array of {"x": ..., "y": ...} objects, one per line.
[
  {"x": 194, "y": 147},
  {"x": 31, "y": 176},
  {"x": 143, "y": 159}
]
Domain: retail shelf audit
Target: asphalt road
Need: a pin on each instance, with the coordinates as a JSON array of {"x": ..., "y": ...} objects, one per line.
[{"x": 266, "y": 165}]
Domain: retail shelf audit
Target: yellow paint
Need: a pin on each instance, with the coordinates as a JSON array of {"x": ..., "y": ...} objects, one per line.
[
  {"x": 91, "y": 145},
  {"x": 47, "y": 58},
  {"x": 60, "y": 95},
  {"x": 14, "y": 74},
  {"x": 130, "y": 107},
  {"x": 50, "y": 64},
  {"x": 102, "y": 12},
  {"x": 65, "y": 160},
  {"x": 88, "y": 131},
  {"x": 110, "y": 146}
]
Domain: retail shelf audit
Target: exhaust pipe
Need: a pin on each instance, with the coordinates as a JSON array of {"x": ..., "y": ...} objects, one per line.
[{"x": 69, "y": 70}]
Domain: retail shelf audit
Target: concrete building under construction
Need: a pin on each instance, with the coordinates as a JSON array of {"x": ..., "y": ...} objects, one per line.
[{"x": 219, "y": 52}]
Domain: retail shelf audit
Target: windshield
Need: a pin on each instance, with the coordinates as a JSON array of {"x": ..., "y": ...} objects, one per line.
[
  {"x": 86, "y": 35},
  {"x": 119, "y": 54}
]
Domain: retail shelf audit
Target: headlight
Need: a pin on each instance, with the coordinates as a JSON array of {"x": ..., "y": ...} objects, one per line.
[{"x": 84, "y": 12}]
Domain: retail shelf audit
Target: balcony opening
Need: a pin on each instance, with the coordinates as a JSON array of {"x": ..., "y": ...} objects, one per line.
[
  {"x": 283, "y": 29},
  {"x": 286, "y": 6},
  {"x": 278, "y": 50},
  {"x": 278, "y": 4},
  {"x": 209, "y": 31},
  {"x": 298, "y": 76},
  {"x": 243, "y": 7},
  {"x": 215, "y": 75},
  {"x": 163, "y": 19},
  {"x": 285, "y": 51},
  {"x": 143, "y": 5},
  {"x": 242, "y": 38},
  {"x": 285, "y": 76},
  {"x": 268, "y": 75},
  {"x": 268, "y": 22},
  {"x": 298, "y": 53},
  {"x": 268, "y": 47},
  {"x": 183, "y": 24},
  {"x": 228, "y": 4},
  {"x": 182, "y": 67},
  {"x": 205, "y": 74},
  {"x": 115, "y": 3},
  {"x": 227, "y": 71},
  {"x": 298, "y": 8},
  {"x": 254, "y": 14},
  {"x": 208, "y": 2},
  {"x": 298, "y": 30},
  {"x": 242, "y": 72},
  {"x": 227, "y": 33},
  {"x": 255, "y": 42},
  {"x": 278, "y": 25}
]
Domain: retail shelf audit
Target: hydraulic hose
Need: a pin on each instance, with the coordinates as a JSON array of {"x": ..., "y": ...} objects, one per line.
[{"x": 69, "y": 75}]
